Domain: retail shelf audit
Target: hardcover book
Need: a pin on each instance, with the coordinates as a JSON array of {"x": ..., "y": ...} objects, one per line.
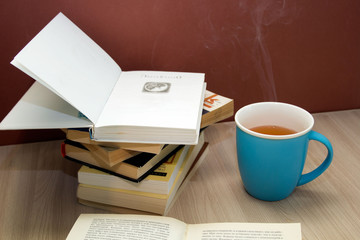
[
  {"x": 215, "y": 108},
  {"x": 79, "y": 85}
]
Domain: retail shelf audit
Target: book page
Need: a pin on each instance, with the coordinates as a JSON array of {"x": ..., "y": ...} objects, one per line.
[
  {"x": 68, "y": 62},
  {"x": 155, "y": 99},
  {"x": 126, "y": 227},
  {"x": 40, "y": 108},
  {"x": 244, "y": 231}
]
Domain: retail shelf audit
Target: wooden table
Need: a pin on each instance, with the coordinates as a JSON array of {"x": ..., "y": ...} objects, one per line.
[{"x": 38, "y": 187}]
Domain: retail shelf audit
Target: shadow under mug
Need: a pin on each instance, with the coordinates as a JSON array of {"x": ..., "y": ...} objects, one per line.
[{"x": 271, "y": 166}]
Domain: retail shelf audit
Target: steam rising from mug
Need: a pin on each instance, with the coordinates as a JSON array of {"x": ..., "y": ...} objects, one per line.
[{"x": 265, "y": 13}]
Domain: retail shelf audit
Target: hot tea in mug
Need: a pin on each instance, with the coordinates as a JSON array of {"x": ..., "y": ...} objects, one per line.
[
  {"x": 273, "y": 130},
  {"x": 272, "y": 141}
]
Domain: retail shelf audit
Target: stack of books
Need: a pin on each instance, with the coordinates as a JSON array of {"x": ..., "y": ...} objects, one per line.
[
  {"x": 137, "y": 133},
  {"x": 133, "y": 176}
]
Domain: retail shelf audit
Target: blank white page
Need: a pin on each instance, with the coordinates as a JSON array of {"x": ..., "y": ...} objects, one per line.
[
  {"x": 65, "y": 60},
  {"x": 175, "y": 106}
]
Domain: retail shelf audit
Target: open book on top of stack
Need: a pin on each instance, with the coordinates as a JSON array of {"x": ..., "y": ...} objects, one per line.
[
  {"x": 79, "y": 85},
  {"x": 130, "y": 164},
  {"x": 215, "y": 109}
]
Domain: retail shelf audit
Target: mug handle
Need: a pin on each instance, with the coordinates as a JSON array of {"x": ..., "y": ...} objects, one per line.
[{"x": 305, "y": 178}]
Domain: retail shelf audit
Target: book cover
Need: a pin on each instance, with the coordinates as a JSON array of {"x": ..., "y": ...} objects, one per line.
[{"x": 216, "y": 108}]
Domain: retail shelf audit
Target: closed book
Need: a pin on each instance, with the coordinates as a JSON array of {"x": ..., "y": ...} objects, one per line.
[
  {"x": 134, "y": 169},
  {"x": 216, "y": 108},
  {"x": 159, "y": 181},
  {"x": 143, "y": 201},
  {"x": 110, "y": 155}
]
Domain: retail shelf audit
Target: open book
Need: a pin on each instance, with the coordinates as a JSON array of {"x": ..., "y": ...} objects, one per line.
[
  {"x": 79, "y": 85},
  {"x": 144, "y": 227}
]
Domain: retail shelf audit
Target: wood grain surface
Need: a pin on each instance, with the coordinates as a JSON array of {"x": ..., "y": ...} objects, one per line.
[{"x": 38, "y": 187}]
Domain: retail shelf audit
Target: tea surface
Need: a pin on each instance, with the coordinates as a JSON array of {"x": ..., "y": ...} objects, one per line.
[{"x": 273, "y": 130}]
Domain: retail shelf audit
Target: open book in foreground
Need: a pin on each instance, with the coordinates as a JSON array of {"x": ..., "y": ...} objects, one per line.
[
  {"x": 124, "y": 226},
  {"x": 78, "y": 85}
]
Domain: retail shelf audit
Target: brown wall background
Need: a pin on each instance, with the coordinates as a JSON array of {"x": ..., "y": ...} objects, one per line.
[{"x": 301, "y": 52}]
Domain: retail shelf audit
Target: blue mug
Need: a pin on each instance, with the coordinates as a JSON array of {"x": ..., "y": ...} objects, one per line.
[{"x": 271, "y": 165}]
